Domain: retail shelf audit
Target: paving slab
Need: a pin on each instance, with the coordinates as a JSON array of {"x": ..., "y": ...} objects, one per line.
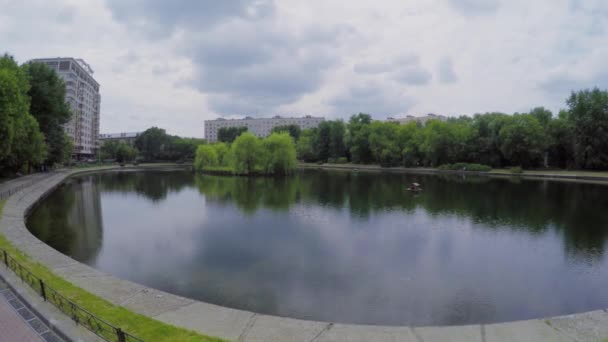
[
  {"x": 209, "y": 319},
  {"x": 278, "y": 329},
  {"x": 464, "y": 333},
  {"x": 533, "y": 330},
  {"x": 366, "y": 333},
  {"x": 152, "y": 302},
  {"x": 585, "y": 327}
]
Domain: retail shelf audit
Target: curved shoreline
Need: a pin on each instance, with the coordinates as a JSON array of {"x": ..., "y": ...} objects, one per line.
[{"x": 234, "y": 324}]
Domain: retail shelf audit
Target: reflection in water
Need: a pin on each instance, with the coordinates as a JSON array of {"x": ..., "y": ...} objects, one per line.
[{"x": 343, "y": 247}]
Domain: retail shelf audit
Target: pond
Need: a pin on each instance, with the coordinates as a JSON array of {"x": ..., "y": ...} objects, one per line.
[{"x": 343, "y": 247}]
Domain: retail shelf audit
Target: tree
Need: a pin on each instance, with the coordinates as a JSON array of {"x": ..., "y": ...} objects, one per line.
[
  {"x": 48, "y": 106},
  {"x": 409, "y": 140},
  {"x": 588, "y": 114},
  {"x": 356, "y": 138},
  {"x": 152, "y": 142},
  {"x": 205, "y": 157},
  {"x": 118, "y": 151},
  {"x": 245, "y": 153},
  {"x": 223, "y": 153},
  {"x": 337, "y": 130},
  {"x": 294, "y": 130},
  {"x": 125, "y": 153},
  {"x": 304, "y": 148},
  {"x": 523, "y": 140},
  {"x": 561, "y": 141},
  {"x": 279, "y": 154},
  {"x": 543, "y": 115},
  {"x": 29, "y": 149},
  {"x": 444, "y": 142},
  {"x": 383, "y": 142},
  {"x": 229, "y": 134},
  {"x": 21, "y": 142}
]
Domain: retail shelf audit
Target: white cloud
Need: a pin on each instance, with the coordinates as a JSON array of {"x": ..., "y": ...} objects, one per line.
[{"x": 175, "y": 64}]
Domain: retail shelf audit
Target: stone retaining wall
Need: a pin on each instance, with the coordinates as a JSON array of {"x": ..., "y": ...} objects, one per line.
[{"x": 239, "y": 325}]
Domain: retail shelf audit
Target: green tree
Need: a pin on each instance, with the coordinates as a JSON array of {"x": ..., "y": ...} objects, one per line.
[
  {"x": 337, "y": 148},
  {"x": 523, "y": 140},
  {"x": 561, "y": 141},
  {"x": 205, "y": 157},
  {"x": 409, "y": 141},
  {"x": 588, "y": 114},
  {"x": 125, "y": 153},
  {"x": 48, "y": 106},
  {"x": 383, "y": 142},
  {"x": 294, "y": 130},
  {"x": 543, "y": 115},
  {"x": 305, "y": 146},
  {"x": 29, "y": 146},
  {"x": 279, "y": 154},
  {"x": 444, "y": 142},
  {"x": 21, "y": 142},
  {"x": 356, "y": 138},
  {"x": 229, "y": 134},
  {"x": 246, "y": 153},
  {"x": 223, "y": 153},
  {"x": 152, "y": 142}
]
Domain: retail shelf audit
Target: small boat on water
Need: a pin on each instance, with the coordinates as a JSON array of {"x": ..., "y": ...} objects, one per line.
[{"x": 415, "y": 187}]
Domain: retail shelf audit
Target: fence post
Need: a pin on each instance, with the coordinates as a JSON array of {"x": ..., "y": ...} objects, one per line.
[
  {"x": 5, "y": 258},
  {"x": 120, "y": 335},
  {"x": 42, "y": 291}
]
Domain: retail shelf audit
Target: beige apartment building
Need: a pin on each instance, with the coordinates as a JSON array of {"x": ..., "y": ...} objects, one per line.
[
  {"x": 82, "y": 95},
  {"x": 260, "y": 127}
]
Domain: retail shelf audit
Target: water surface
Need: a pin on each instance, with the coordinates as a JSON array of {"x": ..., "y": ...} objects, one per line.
[{"x": 343, "y": 247}]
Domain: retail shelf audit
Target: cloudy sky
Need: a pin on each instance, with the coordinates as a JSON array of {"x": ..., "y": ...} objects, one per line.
[{"x": 177, "y": 63}]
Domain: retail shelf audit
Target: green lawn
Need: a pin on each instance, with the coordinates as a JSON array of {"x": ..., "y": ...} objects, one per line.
[{"x": 138, "y": 325}]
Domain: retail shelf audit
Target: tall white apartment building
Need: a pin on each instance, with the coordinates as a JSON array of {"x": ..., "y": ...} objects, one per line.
[
  {"x": 260, "y": 127},
  {"x": 82, "y": 94},
  {"x": 419, "y": 119}
]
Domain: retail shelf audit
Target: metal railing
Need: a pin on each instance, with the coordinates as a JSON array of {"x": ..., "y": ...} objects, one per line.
[
  {"x": 7, "y": 193},
  {"x": 80, "y": 316}
]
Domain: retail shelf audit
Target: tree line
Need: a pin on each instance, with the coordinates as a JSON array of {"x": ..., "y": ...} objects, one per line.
[
  {"x": 576, "y": 137},
  {"x": 154, "y": 144},
  {"x": 32, "y": 114}
]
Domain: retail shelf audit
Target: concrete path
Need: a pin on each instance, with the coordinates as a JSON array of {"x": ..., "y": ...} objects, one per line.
[{"x": 18, "y": 323}]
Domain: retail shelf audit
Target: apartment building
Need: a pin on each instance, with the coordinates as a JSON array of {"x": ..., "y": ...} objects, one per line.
[
  {"x": 82, "y": 95},
  {"x": 419, "y": 119},
  {"x": 260, "y": 127}
]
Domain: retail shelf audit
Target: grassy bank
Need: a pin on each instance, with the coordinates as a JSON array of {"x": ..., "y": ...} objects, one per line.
[{"x": 138, "y": 325}]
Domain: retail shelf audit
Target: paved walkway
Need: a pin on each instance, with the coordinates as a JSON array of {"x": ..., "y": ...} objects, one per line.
[{"x": 18, "y": 323}]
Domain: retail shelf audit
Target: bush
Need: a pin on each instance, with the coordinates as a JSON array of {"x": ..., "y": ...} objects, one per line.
[
  {"x": 342, "y": 160},
  {"x": 516, "y": 170},
  {"x": 205, "y": 157},
  {"x": 466, "y": 167}
]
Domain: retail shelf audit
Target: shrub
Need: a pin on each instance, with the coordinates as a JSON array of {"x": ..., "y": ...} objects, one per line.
[
  {"x": 466, "y": 167},
  {"x": 516, "y": 170},
  {"x": 205, "y": 157}
]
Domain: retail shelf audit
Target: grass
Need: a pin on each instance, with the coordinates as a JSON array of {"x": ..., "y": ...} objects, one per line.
[{"x": 138, "y": 325}]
